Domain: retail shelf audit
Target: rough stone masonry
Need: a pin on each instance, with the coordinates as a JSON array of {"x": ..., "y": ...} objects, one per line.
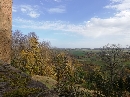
[{"x": 5, "y": 30}]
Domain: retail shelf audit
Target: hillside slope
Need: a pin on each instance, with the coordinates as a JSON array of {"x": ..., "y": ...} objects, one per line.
[{"x": 14, "y": 83}]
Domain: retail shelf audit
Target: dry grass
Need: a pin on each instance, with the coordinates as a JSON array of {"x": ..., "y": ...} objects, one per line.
[{"x": 49, "y": 82}]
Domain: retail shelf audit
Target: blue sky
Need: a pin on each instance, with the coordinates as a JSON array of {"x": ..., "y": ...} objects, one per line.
[{"x": 74, "y": 23}]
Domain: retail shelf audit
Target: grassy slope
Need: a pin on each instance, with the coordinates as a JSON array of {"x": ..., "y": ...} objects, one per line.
[{"x": 48, "y": 81}]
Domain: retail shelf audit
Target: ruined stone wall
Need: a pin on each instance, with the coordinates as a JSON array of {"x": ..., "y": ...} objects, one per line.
[{"x": 5, "y": 30}]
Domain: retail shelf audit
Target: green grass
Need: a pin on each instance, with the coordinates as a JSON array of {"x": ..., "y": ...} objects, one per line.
[{"x": 77, "y": 52}]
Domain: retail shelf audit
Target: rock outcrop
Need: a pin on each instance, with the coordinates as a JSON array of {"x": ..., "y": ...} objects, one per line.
[{"x": 12, "y": 80}]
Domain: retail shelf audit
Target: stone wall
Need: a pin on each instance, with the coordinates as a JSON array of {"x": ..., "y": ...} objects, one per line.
[{"x": 5, "y": 30}]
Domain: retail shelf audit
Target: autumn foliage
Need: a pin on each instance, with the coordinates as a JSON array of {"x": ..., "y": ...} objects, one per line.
[{"x": 74, "y": 78}]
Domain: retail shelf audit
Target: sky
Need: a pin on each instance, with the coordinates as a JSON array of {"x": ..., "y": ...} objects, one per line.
[{"x": 74, "y": 23}]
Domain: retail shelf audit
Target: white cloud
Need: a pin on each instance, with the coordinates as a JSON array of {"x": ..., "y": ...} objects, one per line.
[
  {"x": 57, "y": 0},
  {"x": 119, "y": 5},
  {"x": 117, "y": 26},
  {"x": 23, "y": 10},
  {"x": 14, "y": 9},
  {"x": 41, "y": 3},
  {"x": 95, "y": 28},
  {"x": 33, "y": 14},
  {"x": 31, "y": 11},
  {"x": 58, "y": 9}
]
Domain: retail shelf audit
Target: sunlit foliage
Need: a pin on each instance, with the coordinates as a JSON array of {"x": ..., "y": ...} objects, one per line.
[{"x": 104, "y": 74}]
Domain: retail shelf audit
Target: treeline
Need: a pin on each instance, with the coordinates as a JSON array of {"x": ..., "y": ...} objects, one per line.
[{"x": 74, "y": 79}]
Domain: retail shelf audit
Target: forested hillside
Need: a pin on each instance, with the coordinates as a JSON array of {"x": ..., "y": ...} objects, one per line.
[{"x": 102, "y": 74}]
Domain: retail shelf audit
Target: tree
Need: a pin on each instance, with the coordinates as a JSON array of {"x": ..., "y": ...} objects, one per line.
[
  {"x": 112, "y": 56},
  {"x": 30, "y": 55}
]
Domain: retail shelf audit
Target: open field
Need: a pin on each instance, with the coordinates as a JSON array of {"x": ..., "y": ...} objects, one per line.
[{"x": 91, "y": 56}]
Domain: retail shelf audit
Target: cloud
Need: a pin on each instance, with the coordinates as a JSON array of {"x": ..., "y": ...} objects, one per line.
[
  {"x": 58, "y": 9},
  {"x": 57, "y": 0},
  {"x": 33, "y": 14},
  {"x": 14, "y": 9},
  {"x": 116, "y": 26},
  {"x": 30, "y": 10},
  {"x": 94, "y": 28},
  {"x": 41, "y": 3},
  {"x": 119, "y": 5}
]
